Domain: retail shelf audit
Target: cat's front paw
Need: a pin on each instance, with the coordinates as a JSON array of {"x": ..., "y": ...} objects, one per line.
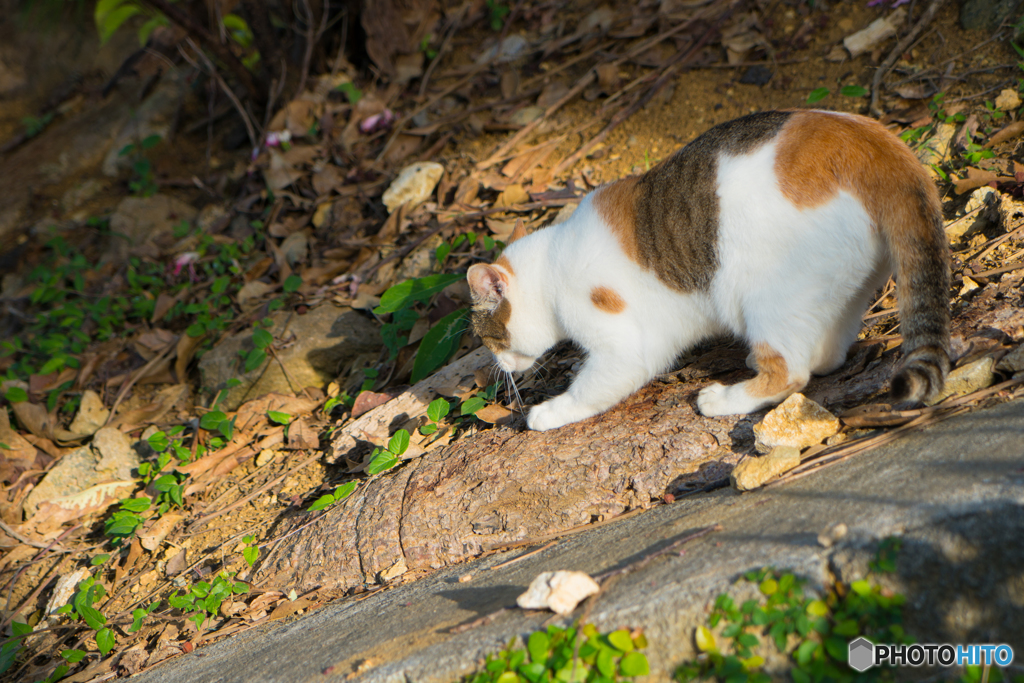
[
  {"x": 715, "y": 400},
  {"x": 556, "y": 413}
]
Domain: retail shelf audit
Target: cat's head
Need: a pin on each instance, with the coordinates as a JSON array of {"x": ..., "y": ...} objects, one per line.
[{"x": 511, "y": 325}]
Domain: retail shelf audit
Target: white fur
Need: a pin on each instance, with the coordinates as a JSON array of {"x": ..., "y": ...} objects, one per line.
[{"x": 797, "y": 280}]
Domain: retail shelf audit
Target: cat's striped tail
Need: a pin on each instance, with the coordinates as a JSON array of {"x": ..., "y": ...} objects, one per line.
[{"x": 920, "y": 254}]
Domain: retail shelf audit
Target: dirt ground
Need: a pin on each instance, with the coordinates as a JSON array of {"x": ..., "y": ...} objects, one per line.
[{"x": 794, "y": 51}]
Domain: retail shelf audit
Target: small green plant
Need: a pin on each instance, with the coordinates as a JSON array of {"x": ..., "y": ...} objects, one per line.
[
  {"x": 570, "y": 655},
  {"x": 9, "y": 651},
  {"x": 351, "y": 92},
  {"x": 469, "y": 239},
  {"x": 339, "y": 494},
  {"x": 203, "y": 600},
  {"x": 143, "y": 183},
  {"x": 88, "y": 593},
  {"x": 34, "y": 125},
  {"x": 251, "y": 552},
  {"x": 123, "y": 523},
  {"x": 167, "y": 445},
  {"x": 383, "y": 459},
  {"x": 818, "y": 94},
  {"x": 436, "y": 411},
  {"x": 425, "y": 48},
  {"x": 824, "y": 627},
  {"x": 497, "y": 14}
]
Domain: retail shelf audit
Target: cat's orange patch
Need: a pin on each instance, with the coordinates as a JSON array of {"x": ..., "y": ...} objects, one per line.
[
  {"x": 607, "y": 300},
  {"x": 772, "y": 373},
  {"x": 875, "y": 166},
  {"x": 504, "y": 263},
  {"x": 616, "y": 203}
]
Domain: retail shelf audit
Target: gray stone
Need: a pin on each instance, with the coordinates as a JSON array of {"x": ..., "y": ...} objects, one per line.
[
  {"x": 986, "y": 14},
  {"x": 109, "y": 457},
  {"x": 953, "y": 492},
  {"x": 140, "y": 223},
  {"x": 1012, "y": 362},
  {"x": 92, "y": 414},
  {"x": 315, "y": 346}
]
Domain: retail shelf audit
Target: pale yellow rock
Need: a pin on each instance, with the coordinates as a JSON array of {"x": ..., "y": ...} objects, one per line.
[
  {"x": 878, "y": 31},
  {"x": 1008, "y": 99},
  {"x": 753, "y": 473},
  {"x": 394, "y": 571},
  {"x": 798, "y": 422},
  {"x": 92, "y": 414},
  {"x": 414, "y": 184},
  {"x": 967, "y": 378}
]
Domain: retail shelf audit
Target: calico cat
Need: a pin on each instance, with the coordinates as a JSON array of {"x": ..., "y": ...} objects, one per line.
[{"x": 776, "y": 228}]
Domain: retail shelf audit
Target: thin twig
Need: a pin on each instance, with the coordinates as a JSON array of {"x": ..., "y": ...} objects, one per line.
[
  {"x": 312, "y": 39},
  {"x": 901, "y": 47},
  {"x": 212, "y": 70},
  {"x": 139, "y": 374},
  {"x": 456, "y": 21},
  {"x": 23, "y": 539}
]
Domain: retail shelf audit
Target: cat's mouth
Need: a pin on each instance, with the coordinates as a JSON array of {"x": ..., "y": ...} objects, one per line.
[{"x": 510, "y": 361}]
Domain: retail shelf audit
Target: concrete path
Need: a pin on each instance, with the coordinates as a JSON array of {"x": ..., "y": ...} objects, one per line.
[{"x": 954, "y": 492}]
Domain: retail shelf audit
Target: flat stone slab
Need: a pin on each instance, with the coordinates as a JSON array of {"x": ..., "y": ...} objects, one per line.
[{"x": 954, "y": 492}]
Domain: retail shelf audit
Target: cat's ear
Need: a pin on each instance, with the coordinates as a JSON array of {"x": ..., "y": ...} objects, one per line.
[
  {"x": 518, "y": 232},
  {"x": 487, "y": 284}
]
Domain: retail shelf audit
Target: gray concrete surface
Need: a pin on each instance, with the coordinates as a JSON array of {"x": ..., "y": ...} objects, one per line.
[{"x": 954, "y": 492}]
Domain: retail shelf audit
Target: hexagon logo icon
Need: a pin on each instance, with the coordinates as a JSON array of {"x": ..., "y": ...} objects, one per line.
[{"x": 861, "y": 655}]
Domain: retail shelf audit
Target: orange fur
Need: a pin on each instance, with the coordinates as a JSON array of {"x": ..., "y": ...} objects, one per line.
[
  {"x": 504, "y": 263},
  {"x": 616, "y": 203},
  {"x": 876, "y": 167},
  {"x": 772, "y": 373},
  {"x": 607, "y": 300}
]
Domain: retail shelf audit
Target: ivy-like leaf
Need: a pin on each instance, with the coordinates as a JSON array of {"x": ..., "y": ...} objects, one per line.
[
  {"x": 817, "y": 95},
  {"x": 408, "y": 292}
]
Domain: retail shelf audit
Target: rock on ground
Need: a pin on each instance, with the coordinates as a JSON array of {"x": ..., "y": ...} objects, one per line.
[
  {"x": 414, "y": 184},
  {"x": 109, "y": 457},
  {"x": 145, "y": 224},
  {"x": 314, "y": 347},
  {"x": 798, "y": 422},
  {"x": 752, "y": 473}
]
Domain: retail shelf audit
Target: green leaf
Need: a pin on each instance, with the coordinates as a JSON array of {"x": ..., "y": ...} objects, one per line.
[
  {"x": 441, "y": 253},
  {"x": 57, "y": 674},
  {"x": 137, "y": 616},
  {"x": 385, "y": 460},
  {"x": 140, "y": 504},
  {"x": 399, "y": 442},
  {"x": 769, "y": 586},
  {"x": 254, "y": 359},
  {"x": 345, "y": 490},
  {"x": 261, "y": 339},
  {"x": 634, "y": 664},
  {"x": 211, "y": 420},
  {"x": 279, "y": 417},
  {"x": 158, "y": 442},
  {"x": 438, "y": 344},
  {"x": 853, "y": 91},
  {"x": 470, "y": 406},
  {"x": 99, "y": 559},
  {"x": 322, "y": 502},
  {"x": 250, "y": 554},
  {"x": 537, "y": 645},
  {"x": 861, "y": 587},
  {"x": 705, "y": 640},
  {"x": 146, "y": 30},
  {"x": 817, "y": 608},
  {"x": 438, "y": 408},
  {"x": 350, "y": 91},
  {"x": 817, "y": 95},
  {"x": 72, "y": 656},
  {"x": 428, "y": 429},
  {"x": 195, "y": 330},
  {"x": 16, "y": 395},
  {"x": 105, "y": 641},
  {"x": 620, "y": 640},
  {"x": 406, "y": 293},
  {"x": 111, "y": 14},
  {"x": 292, "y": 283},
  {"x": 805, "y": 651}
]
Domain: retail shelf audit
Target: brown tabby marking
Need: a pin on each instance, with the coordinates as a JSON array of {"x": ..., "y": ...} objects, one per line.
[
  {"x": 772, "y": 373},
  {"x": 607, "y": 300},
  {"x": 616, "y": 202}
]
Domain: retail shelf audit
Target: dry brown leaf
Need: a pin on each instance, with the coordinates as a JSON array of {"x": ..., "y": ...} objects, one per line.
[
  {"x": 154, "y": 411},
  {"x": 289, "y": 607},
  {"x": 16, "y": 448},
  {"x": 975, "y": 178},
  {"x": 552, "y": 93},
  {"x": 279, "y": 174},
  {"x": 367, "y": 401},
  {"x": 51, "y": 514},
  {"x": 187, "y": 347},
  {"x": 327, "y": 179},
  {"x": 301, "y": 436},
  {"x": 155, "y": 535},
  {"x": 34, "y": 418},
  {"x": 1008, "y": 133},
  {"x": 511, "y": 195},
  {"x": 402, "y": 148},
  {"x": 500, "y": 229},
  {"x": 495, "y": 414}
]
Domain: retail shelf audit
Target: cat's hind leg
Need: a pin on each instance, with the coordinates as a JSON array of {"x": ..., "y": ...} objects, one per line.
[{"x": 776, "y": 379}]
